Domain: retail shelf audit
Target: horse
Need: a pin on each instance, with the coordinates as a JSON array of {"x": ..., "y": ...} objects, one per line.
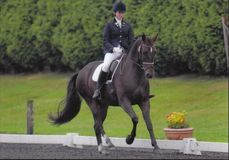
[{"x": 130, "y": 86}]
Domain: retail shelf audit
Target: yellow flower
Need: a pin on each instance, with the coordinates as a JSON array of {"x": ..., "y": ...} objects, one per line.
[{"x": 176, "y": 120}]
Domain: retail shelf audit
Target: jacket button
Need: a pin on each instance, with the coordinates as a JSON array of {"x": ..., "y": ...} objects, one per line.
[{"x": 120, "y": 36}]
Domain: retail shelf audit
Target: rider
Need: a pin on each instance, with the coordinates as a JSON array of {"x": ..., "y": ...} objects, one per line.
[{"x": 118, "y": 36}]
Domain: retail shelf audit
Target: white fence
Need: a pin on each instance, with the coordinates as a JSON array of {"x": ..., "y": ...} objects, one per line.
[{"x": 74, "y": 140}]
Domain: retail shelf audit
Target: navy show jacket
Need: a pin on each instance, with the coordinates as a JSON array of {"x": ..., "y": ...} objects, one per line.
[{"x": 113, "y": 35}]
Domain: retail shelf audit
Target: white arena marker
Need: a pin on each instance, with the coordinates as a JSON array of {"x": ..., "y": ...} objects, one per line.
[{"x": 190, "y": 146}]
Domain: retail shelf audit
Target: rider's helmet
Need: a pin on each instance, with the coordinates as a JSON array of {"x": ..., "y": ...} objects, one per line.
[{"x": 119, "y": 6}]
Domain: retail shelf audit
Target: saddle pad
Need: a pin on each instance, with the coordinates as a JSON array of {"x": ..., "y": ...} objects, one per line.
[
  {"x": 98, "y": 69},
  {"x": 96, "y": 73}
]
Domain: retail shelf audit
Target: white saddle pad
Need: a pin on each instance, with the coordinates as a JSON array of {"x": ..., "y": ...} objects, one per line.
[
  {"x": 96, "y": 73},
  {"x": 98, "y": 69}
]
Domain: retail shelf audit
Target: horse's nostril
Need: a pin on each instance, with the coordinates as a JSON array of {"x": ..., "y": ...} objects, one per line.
[{"x": 148, "y": 75}]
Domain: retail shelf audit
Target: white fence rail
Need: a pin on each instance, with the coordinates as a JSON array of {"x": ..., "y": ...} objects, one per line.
[{"x": 74, "y": 140}]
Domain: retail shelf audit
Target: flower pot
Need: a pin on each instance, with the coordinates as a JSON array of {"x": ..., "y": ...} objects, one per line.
[{"x": 178, "y": 134}]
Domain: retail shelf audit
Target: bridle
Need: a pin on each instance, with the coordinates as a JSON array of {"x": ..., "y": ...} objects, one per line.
[{"x": 140, "y": 62}]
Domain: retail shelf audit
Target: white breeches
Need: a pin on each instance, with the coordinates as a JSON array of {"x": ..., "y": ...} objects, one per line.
[{"x": 109, "y": 57}]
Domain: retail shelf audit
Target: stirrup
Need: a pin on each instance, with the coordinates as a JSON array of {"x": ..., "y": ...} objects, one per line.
[{"x": 97, "y": 94}]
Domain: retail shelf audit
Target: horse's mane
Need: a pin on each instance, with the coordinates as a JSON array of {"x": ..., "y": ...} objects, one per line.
[
  {"x": 137, "y": 37},
  {"x": 136, "y": 40}
]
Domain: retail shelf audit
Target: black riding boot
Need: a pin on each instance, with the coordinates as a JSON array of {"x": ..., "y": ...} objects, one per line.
[{"x": 101, "y": 80}]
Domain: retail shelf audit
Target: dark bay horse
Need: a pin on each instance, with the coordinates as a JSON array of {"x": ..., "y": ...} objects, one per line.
[{"x": 130, "y": 86}]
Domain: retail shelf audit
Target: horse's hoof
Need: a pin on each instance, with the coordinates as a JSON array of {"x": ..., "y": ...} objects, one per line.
[
  {"x": 129, "y": 139},
  {"x": 104, "y": 152},
  {"x": 155, "y": 146},
  {"x": 158, "y": 151},
  {"x": 111, "y": 146}
]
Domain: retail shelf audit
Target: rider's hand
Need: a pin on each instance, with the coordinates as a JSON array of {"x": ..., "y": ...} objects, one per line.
[{"x": 117, "y": 50}]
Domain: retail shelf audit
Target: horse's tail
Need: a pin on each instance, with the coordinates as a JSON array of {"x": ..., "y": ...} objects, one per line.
[{"x": 71, "y": 104}]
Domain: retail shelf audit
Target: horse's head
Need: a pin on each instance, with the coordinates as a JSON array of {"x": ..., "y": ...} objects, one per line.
[{"x": 146, "y": 53}]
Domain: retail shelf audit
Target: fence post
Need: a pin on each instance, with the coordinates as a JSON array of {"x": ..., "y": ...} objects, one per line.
[
  {"x": 225, "y": 22},
  {"x": 30, "y": 117}
]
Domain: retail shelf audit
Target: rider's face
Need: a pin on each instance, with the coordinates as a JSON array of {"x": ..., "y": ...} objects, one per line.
[{"x": 119, "y": 15}]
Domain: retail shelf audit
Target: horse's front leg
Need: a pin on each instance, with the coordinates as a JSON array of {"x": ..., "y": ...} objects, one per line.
[
  {"x": 145, "y": 107},
  {"x": 126, "y": 105}
]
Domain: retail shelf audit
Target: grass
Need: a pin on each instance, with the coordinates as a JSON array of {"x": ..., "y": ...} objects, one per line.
[{"x": 205, "y": 100}]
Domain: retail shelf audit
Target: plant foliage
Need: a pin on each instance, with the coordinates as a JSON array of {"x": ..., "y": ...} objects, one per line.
[{"x": 67, "y": 34}]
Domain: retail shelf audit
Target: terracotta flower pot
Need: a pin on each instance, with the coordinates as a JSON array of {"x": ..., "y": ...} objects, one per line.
[{"x": 178, "y": 134}]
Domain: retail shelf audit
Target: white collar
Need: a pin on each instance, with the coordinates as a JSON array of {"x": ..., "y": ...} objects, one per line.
[{"x": 117, "y": 20}]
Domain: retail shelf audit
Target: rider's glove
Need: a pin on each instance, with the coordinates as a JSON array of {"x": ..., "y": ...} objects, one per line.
[{"x": 117, "y": 50}]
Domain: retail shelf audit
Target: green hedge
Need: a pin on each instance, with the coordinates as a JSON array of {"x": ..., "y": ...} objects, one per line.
[{"x": 36, "y": 35}]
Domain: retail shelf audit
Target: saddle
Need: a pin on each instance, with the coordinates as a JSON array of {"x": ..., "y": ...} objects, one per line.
[{"x": 112, "y": 70}]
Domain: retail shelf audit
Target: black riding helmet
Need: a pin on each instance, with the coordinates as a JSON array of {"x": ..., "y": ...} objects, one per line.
[{"x": 119, "y": 6}]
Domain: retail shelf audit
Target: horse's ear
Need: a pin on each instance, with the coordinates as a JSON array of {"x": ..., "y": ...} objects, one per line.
[
  {"x": 155, "y": 38},
  {"x": 143, "y": 37}
]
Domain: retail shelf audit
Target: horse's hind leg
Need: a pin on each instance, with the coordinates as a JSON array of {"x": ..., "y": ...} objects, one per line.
[
  {"x": 126, "y": 105},
  {"x": 95, "y": 108},
  {"x": 104, "y": 115}
]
